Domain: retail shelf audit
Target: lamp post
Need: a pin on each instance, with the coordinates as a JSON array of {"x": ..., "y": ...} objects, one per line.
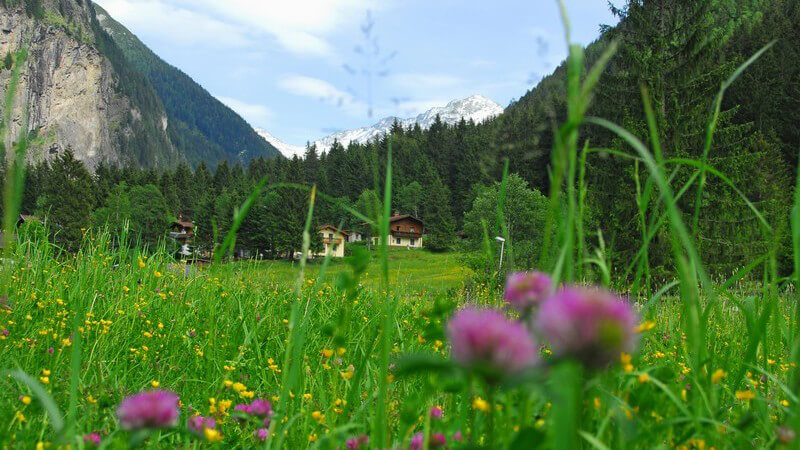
[{"x": 502, "y": 249}]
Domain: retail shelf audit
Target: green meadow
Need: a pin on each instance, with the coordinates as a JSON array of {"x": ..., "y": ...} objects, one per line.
[
  {"x": 416, "y": 270},
  {"x": 661, "y": 352}
]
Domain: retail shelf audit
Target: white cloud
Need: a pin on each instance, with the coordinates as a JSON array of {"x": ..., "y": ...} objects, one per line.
[
  {"x": 178, "y": 25},
  {"x": 256, "y": 115},
  {"x": 323, "y": 91},
  {"x": 298, "y": 26}
]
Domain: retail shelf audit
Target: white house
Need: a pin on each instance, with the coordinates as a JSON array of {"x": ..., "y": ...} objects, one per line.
[{"x": 332, "y": 240}]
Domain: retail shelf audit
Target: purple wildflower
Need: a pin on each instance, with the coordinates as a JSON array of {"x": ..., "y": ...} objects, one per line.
[
  {"x": 592, "y": 325},
  {"x": 151, "y": 409},
  {"x": 197, "y": 424},
  {"x": 51, "y": 350},
  {"x": 436, "y": 412},
  {"x": 5, "y": 332},
  {"x": 457, "y": 436},
  {"x": 436, "y": 440},
  {"x": 357, "y": 442},
  {"x": 261, "y": 434},
  {"x": 260, "y": 408},
  {"x": 92, "y": 438},
  {"x": 487, "y": 337},
  {"x": 417, "y": 441},
  {"x": 242, "y": 407},
  {"x": 525, "y": 290}
]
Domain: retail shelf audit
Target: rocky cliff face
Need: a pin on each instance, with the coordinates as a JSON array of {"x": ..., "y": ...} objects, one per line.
[{"x": 72, "y": 93}]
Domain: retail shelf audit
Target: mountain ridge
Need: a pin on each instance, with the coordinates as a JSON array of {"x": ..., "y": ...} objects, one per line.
[
  {"x": 475, "y": 107},
  {"x": 200, "y": 126}
]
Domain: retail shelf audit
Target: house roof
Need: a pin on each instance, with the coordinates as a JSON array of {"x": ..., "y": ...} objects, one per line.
[
  {"x": 331, "y": 227},
  {"x": 184, "y": 223},
  {"x": 398, "y": 217}
]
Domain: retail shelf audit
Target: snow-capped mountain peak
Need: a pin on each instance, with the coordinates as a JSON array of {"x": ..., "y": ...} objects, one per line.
[
  {"x": 288, "y": 150},
  {"x": 477, "y": 108}
]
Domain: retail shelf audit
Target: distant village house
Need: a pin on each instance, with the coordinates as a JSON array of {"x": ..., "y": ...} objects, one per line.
[
  {"x": 333, "y": 241},
  {"x": 183, "y": 232},
  {"x": 405, "y": 230}
]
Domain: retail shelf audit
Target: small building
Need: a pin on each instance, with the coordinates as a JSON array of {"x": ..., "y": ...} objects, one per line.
[
  {"x": 355, "y": 236},
  {"x": 405, "y": 230},
  {"x": 333, "y": 241},
  {"x": 183, "y": 232}
]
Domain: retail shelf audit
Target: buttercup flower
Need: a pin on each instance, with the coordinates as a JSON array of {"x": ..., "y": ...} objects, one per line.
[
  {"x": 525, "y": 290},
  {"x": 487, "y": 337},
  {"x": 152, "y": 409},
  {"x": 592, "y": 325}
]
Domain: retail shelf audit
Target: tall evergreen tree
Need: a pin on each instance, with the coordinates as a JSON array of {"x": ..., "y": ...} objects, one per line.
[{"x": 68, "y": 200}]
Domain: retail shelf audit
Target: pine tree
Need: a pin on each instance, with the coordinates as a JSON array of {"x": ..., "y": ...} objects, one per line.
[
  {"x": 68, "y": 200},
  {"x": 440, "y": 228}
]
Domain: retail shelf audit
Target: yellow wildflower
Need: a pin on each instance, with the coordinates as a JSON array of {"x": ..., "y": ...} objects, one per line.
[
  {"x": 212, "y": 435},
  {"x": 480, "y": 404},
  {"x": 645, "y": 326}
]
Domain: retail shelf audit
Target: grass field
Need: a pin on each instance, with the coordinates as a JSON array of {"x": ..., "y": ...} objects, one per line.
[
  {"x": 413, "y": 269},
  {"x": 217, "y": 337},
  {"x": 144, "y": 324}
]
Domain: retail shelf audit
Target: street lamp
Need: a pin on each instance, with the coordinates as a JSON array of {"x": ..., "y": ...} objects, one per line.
[{"x": 502, "y": 248}]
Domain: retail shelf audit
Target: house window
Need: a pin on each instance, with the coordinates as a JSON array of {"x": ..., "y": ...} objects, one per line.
[
  {"x": 330, "y": 235},
  {"x": 397, "y": 228},
  {"x": 412, "y": 229},
  {"x": 413, "y": 241},
  {"x": 398, "y": 240}
]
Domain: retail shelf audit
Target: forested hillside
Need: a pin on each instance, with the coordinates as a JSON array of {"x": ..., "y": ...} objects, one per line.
[
  {"x": 444, "y": 174},
  {"x": 199, "y": 125}
]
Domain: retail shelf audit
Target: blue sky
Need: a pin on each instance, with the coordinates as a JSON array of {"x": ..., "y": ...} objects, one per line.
[{"x": 292, "y": 66}]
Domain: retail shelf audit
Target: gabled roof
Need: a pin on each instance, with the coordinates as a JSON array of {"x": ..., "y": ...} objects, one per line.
[
  {"x": 331, "y": 227},
  {"x": 397, "y": 217},
  {"x": 183, "y": 223}
]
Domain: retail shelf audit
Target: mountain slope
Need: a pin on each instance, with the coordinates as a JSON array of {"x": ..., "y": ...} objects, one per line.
[
  {"x": 201, "y": 127},
  {"x": 288, "y": 150},
  {"x": 476, "y": 108},
  {"x": 77, "y": 91}
]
